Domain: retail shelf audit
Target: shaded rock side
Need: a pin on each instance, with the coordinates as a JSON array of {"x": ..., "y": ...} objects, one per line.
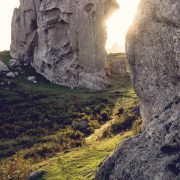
[
  {"x": 63, "y": 39},
  {"x": 153, "y": 47},
  {"x": 3, "y": 67},
  {"x": 24, "y": 30}
]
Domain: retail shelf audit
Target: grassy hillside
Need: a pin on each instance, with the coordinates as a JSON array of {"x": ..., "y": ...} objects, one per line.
[
  {"x": 81, "y": 163},
  {"x": 45, "y": 125},
  {"x": 120, "y": 56}
]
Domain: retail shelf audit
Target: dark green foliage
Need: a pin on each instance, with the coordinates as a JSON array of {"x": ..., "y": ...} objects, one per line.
[
  {"x": 29, "y": 113},
  {"x": 125, "y": 121},
  {"x": 5, "y": 56},
  {"x": 35, "y": 116},
  {"x": 63, "y": 140}
]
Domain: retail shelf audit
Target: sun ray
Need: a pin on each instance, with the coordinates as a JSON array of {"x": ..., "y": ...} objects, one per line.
[{"x": 119, "y": 22}]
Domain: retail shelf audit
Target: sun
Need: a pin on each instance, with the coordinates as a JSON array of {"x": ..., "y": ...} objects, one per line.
[{"x": 118, "y": 24}]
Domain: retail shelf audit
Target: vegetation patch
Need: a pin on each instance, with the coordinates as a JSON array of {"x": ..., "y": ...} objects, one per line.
[
  {"x": 39, "y": 120},
  {"x": 125, "y": 120},
  {"x": 5, "y": 56},
  {"x": 81, "y": 163}
]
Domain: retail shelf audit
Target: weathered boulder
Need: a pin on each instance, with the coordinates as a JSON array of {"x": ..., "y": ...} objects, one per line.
[
  {"x": 10, "y": 75},
  {"x": 153, "y": 47},
  {"x": 14, "y": 63},
  {"x": 63, "y": 40},
  {"x": 32, "y": 79},
  {"x": 36, "y": 175},
  {"x": 3, "y": 67},
  {"x": 24, "y": 30}
]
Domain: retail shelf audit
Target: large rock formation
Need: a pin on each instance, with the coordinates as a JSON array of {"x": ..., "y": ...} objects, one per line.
[
  {"x": 63, "y": 40},
  {"x": 117, "y": 64},
  {"x": 153, "y": 47}
]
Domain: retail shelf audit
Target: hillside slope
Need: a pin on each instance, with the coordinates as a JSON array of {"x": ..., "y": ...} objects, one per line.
[{"x": 40, "y": 120}]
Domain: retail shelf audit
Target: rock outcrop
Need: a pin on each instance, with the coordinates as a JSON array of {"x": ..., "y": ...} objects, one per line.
[
  {"x": 3, "y": 67},
  {"x": 63, "y": 40},
  {"x": 153, "y": 47},
  {"x": 117, "y": 64}
]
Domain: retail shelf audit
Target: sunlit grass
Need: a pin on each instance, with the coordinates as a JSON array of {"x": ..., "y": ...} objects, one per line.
[
  {"x": 81, "y": 163},
  {"x": 38, "y": 113}
]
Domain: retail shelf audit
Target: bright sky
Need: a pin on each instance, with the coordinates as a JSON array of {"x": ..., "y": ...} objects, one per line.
[
  {"x": 117, "y": 25},
  {"x": 6, "y": 11}
]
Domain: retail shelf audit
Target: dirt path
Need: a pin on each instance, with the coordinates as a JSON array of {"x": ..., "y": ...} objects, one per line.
[
  {"x": 98, "y": 132},
  {"x": 125, "y": 102}
]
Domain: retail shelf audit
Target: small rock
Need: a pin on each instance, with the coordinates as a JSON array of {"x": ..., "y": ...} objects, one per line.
[
  {"x": 32, "y": 79},
  {"x": 26, "y": 63},
  {"x": 10, "y": 74},
  {"x": 14, "y": 63},
  {"x": 19, "y": 68},
  {"x": 36, "y": 174},
  {"x": 77, "y": 55},
  {"x": 136, "y": 110},
  {"x": 16, "y": 73},
  {"x": 3, "y": 67}
]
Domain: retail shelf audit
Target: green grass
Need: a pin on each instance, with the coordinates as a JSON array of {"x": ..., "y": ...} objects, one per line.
[
  {"x": 81, "y": 163},
  {"x": 5, "y": 57},
  {"x": 25, "y": 101},
  {"x": 37, "y": 123}
]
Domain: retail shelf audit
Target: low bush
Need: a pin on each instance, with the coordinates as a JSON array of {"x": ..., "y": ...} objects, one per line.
[
  {"x": 15, "y": 168},
  {"x": 126, "y": 120}
]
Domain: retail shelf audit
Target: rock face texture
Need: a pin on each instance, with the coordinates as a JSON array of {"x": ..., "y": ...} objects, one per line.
[
  {"x": 117, "y": 64},
  {"x": 153, "y": 47},
  {"x": 63, "y": 40}
]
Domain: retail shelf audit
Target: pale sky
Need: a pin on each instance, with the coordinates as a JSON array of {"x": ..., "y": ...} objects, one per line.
[
  {"x": 119, "y": 22},
  {"x": 6, "y": 11},
  {"x": 117, "y": 25}
]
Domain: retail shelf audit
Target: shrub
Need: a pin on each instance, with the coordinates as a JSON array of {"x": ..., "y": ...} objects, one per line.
[
  {"x": 63, "y": 140},
  {"x": 15, "y": 168},
  {"x": 40, "y": 151},
  {"x": 137, "y": 126},
  {"x": 105, "y": 115},
  {"x": 94, "y": 124},
  {"x": 127, "y": 120}
]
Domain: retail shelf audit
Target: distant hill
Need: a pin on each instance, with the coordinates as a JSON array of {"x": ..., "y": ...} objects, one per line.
[{"x": 116, "y": 48}]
